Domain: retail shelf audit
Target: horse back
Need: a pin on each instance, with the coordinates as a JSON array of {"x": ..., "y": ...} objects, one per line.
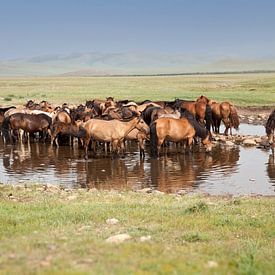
[
  {"x": 225, "y": 109},
  {"x": 190, "y": 106},
  {"x": 174, "y": 129}
]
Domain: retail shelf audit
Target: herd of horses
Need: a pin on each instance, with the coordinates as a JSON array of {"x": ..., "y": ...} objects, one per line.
[{"x": 111, "y": 123}]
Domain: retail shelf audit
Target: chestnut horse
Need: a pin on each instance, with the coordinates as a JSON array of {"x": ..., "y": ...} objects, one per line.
[
  {"x": 270, "y": 127},
  {"x": 113, "y": 131},
  {"x": 225, "y": 112},
  {"x": 199, "y": 109},
  {"x": 176, "y": 130}
]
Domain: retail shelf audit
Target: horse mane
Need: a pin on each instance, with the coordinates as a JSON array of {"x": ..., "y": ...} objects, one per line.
[
  {"x": 200, "y": 131},
  {"x": 147, "y": 112},
  {"x": 270, "y": 124}
]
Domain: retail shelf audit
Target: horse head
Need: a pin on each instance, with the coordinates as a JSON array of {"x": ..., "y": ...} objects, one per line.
[
  {"x": 142, "y": 126},
  {"x": 203, "y": 99},
  {"x": 207, "y": 143}
]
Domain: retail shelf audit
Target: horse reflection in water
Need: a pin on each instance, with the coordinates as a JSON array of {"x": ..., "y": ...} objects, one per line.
[
  {"x": 184, "y": 171},
  {"x": 22, "y": 158},
  {"x": 170, "y": 173},
  {"x": 270, "y": 169},
  {"x": 114, "y": 174},
  {"x": 31, "y": 158}
]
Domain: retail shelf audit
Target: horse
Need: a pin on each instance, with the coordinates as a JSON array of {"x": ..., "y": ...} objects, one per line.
[
  {"x": 26, "y": 122},
  {"x": 66, "y": 129},
  {"x": 270, "y": 127},
  {"x": 175, "y": 114},
  {"x": 2, "y": 114},
  {"x": 203, "y": 98},
  {"x": 176, "y": 130},
  {"x": 140, "y": 136},
  {"x": 113, "y": 131},
  {"x": 225, "y": 112},
  {"x": 62, "y": 116},
  {"x": 200, "y": 110}
]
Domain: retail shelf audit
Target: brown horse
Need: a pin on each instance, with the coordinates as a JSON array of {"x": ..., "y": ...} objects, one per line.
[
  {"x": 140, "y": 136},
  {"x": 26, "y": 122},
  {"x": 62, "y": 116},
  {"x": 176, "y": 130},
  {"x": 113, "y": 131},
  {"x": 203, "y": 98},
  {"x": 199, "y": 109},
  {"x": 66, "y": 129},
  {"x": 225, "y": 112},
  {"x": 270, "y": 127}
]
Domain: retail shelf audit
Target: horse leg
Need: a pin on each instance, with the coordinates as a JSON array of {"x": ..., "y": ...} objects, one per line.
[
  {"x": 218, "y": 126},
  {"x": 123, "y": 147},
  {"x": 106, "y": 147},
  {"x": 160, "y": 142},
  {"x": 115, "y": 148},
  {"x": 141, "y": 142},
  {"x": 189, "y": 143},
  {"x": 94, "y": 147},
  {"x": 85, "y": 145},
  {"x": 20, "y": 135}
]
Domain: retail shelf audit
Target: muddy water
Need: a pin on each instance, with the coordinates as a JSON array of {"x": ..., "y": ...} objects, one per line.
[{"x": 227, "y": 170}]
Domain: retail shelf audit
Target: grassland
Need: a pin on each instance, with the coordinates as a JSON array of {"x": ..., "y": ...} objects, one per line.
[
  {"x": 53, "y": 231},
  {"x": 241, "y": 89}
]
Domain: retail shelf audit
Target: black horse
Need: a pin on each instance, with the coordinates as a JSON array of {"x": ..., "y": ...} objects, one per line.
[{"x": 270, "y": 126}]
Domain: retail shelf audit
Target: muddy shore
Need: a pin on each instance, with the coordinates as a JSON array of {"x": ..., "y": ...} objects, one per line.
[{"x": 254, "y": 115}]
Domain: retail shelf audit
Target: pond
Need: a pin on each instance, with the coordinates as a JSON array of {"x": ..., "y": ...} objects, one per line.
[{"x": 227, "y": 170}]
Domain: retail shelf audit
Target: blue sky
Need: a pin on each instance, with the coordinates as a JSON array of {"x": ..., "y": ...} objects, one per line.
[{"x": 198, "y": 27}]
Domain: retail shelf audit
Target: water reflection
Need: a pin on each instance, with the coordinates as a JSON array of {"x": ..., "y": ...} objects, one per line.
[
  {"x": 270, "y": 168},
  {"x": 225, "y": 170},
  {"x": 188, "y": 171}
]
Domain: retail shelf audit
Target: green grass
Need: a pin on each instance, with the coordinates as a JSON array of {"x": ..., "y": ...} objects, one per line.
[
  {"x": 241, "y": 89},
  {"x": 57, "y": 231}
]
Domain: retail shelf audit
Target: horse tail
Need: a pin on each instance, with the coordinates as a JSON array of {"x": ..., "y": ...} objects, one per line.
[
  {"x": 234, "y": 119},
  {"x": 208, "y": 117},
  {"x": 153, "y": 140},
  {"x": 6, "y": 129},
  {"x": 270, "y": 124}
]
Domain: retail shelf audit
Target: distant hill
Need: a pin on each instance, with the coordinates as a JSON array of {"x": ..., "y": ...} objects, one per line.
[{"x": 91, "y": 64}]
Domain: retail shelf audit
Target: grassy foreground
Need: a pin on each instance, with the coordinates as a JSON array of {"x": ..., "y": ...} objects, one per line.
[
  {"x": 241, "y": 89},
  {"x": 57, "y": 231}
]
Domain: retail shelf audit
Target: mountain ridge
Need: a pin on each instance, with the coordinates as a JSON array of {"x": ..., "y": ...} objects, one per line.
[{"x": 96, "y": 63}]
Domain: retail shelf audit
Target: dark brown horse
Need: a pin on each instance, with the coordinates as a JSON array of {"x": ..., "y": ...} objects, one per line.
[
  {"x": 71, "y": 129},
  {"x": 270, "y": 127},
  {"x": 27, "y": 123},
  {"x": 2, "y": 112},
  {"x": 176, "y": 130}
]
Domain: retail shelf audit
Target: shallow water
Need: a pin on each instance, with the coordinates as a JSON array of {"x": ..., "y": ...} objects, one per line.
[
  {"x": 227, "y": 170},
  {"x": 247, "y": 129}
]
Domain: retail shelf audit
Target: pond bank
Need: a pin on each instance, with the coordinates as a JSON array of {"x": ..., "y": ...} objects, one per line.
[{"x": 54, "y": 230}]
